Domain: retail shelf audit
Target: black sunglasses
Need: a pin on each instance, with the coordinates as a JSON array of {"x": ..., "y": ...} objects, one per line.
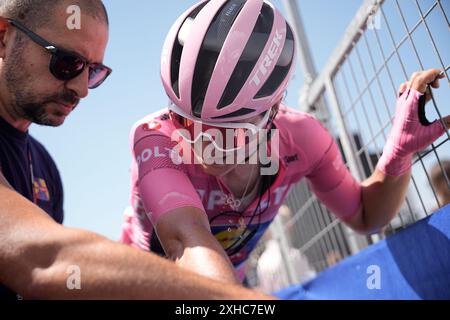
[{"x": 66, "y": 65}]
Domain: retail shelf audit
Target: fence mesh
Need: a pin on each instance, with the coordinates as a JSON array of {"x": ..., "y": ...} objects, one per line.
[{"x": 385, "y": 43}]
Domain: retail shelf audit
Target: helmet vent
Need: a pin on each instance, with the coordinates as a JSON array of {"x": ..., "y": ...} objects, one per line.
[
  {"x": 249, "y": 57},
  {"x": 238, "y": 113},
  {"x": 178, "y": 50},
  {"x": 209, "y": 51}
]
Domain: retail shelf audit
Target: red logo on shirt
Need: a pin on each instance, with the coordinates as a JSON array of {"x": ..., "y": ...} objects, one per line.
[{"x": 152, "y": 125}]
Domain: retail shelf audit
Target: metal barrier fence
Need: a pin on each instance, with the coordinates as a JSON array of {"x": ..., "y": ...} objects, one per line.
[{"x": 354, "y": 96}]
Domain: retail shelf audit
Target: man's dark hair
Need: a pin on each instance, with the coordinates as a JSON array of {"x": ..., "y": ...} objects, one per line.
[{"x": 36, "y": 14}]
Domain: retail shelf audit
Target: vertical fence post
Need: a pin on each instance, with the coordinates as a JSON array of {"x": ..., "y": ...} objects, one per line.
[
  {"x": 306, "y": 61},
  {"x": 349, "y": 151}
]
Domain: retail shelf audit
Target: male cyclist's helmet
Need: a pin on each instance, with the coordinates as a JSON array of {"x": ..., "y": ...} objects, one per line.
[{"x": 228, "y": 60}]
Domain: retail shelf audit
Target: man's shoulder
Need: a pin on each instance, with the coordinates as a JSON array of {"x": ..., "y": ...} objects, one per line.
[{"x": 39, "y": 147}]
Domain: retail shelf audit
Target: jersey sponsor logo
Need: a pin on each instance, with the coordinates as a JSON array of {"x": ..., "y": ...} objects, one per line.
[
  {"x": 40, "y": 189},
  {"x": 150, "y": 153},
  {"x": 215, "y": 199},
  {"x": 152, "y": 126},
  {"x": 263, "y": 68}
]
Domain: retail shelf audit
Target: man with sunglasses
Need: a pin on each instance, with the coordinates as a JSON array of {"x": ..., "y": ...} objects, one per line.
[
  {"x": 42, "y": 84},
  {"x": 203, "y": 192},
  {"x": 45, "y": 70}
]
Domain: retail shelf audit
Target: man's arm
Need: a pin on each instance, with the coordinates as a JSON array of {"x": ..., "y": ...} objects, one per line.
[
  {"x": 36, "y": 253},
  {"x": 186, "y": 238}
]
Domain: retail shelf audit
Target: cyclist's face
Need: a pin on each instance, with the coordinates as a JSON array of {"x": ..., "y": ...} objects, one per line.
[
  {"x": 222, "y": 169},
  {"x": 219, "y": 168}
]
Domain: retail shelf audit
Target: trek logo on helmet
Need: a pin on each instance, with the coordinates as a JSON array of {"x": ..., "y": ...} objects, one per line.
[{"x": 268, "y": 60}]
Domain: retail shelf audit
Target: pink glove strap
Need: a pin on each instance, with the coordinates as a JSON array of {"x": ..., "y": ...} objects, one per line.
[{"x": 408, "y": 135}]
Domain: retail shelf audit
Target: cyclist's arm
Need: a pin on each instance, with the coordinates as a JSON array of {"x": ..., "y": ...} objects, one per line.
[
  {"x": 385, "y": 191},
  {"x": 382, "y": 198},
  {"x": 182, "y": 225},
  {"x": 366, "y": 207},
  {"x": 175, "y": 209},
  {"x": 186, "y": 238},
  {"x": 36, "y": 252}
]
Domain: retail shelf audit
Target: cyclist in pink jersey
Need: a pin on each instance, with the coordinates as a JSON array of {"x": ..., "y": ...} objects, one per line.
[{"x": 210, "y": 172}]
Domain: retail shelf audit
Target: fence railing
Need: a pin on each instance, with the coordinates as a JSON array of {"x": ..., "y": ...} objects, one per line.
[{"x": 384, "y": 44}]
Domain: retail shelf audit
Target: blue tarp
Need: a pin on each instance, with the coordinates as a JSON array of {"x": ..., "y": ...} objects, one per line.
[{"x": 412, "y": 264}]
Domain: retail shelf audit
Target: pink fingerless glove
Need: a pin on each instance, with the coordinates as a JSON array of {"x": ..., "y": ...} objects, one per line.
[{"x": 410, "y": 133}]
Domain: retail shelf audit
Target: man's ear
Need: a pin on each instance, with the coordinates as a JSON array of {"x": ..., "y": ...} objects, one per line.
[{"x": 4, "y": 26}]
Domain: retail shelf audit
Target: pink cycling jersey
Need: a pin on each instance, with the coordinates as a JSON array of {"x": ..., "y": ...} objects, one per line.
[{"x": 306, "y": 149}]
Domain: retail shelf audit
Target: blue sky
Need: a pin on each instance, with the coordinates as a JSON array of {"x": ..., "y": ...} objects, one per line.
[{"x": 92, "y": 149}]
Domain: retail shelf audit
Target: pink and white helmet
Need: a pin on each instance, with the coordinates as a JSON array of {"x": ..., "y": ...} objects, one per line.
[{"x": 228, "y": 60}]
